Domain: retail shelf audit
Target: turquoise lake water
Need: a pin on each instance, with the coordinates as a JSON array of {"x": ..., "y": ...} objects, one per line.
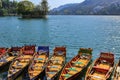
[{"x": 102, "y": 33}]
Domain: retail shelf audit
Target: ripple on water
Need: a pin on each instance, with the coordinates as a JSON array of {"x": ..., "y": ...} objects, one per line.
[{"x": 102, "y": 33}]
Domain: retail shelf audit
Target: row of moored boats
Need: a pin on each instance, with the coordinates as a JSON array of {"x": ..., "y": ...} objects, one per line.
[{"x": 38, "y": 62}]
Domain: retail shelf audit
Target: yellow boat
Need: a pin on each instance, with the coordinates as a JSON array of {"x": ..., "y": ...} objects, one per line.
[
  {"x": 21, "y": 62},
  {"x": 37, "y": 66},
  {"x": 9, "y": 55},
  {"x": 76, "y": 65},
  {"x": 116, "y": 75},
  {"x": 56, "y": 63},
  {"x": 102, "y": 67}
]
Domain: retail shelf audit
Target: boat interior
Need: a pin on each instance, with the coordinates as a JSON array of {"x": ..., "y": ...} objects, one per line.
[
  {"x": 38, "y": 64},
  {"x": 56, "y": 62},
  {"x": 102, "y": 67},
  {"x": 76, "y": 65},
  {"x": 9, "y": 55},
  {"x": 22, "y": 60}
]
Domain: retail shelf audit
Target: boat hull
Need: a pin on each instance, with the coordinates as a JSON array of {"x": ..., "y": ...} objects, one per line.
[
  {"x": 7, "y": 63},
  {"x": 14, "y": 76},
  {"x": 41, "y": 76}
]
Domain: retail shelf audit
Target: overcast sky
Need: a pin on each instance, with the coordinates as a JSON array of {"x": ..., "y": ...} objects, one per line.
[{"x": 56, "y": 3}]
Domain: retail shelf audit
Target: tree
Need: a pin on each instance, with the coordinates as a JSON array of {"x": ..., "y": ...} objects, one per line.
[
  {"x": 44, "y": 7},
  {"x": 25, "y": 7},
  {"x": 37, "y": 8},
  {"x": 5, "y": 3},
  {"x": 0, "y": 4}
]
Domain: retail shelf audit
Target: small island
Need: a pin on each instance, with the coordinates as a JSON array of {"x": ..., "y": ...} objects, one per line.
[{"x": 25, "y": 9}]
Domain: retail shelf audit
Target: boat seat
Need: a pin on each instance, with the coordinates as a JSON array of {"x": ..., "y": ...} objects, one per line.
[
  {"x": 50, "y": 75},
  {"x": 37, "y": 69},
  {"x": 39, "y": 61},
  {"x": 71, "y": 69},
  {"x": 54, "y": 67},
  {"x": 103, "y": 65},
  {"x": 51, "y": 72},
  {"x": 66, "y": 75},
  {"x": 96, "y": 77},
  {"x": 79, "y": 64},
  {"x": 99, "y": 69},
  {"x": 72, "y": 72},
  {"x": 57, "y": 62},
  {"x": 10, "y": 58}
]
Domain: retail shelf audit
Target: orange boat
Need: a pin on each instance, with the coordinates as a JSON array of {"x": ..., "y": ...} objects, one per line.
[
  {"x": 116, "y": 75},
  {"x": 8, "y": 56},
  {"x": 21, "y": 62},
  {"x": 56, "y": 63},
  {"x": 77, "y": 64},
  {"x": 101, "y": 68},
  {"x": 37, "y": 66}
]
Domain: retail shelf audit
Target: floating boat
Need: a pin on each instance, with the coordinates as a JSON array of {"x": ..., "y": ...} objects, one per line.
[
  {"x": 37, "y": 66},
  {"x": 21, "y": 62},
  {"x": 9, "y": 55},
  {"x": 76, "y": 65},
  {"x": 101, "y": 68},
  {"x": 116, "y": 74},
  {"x": 56, "y": 63}
]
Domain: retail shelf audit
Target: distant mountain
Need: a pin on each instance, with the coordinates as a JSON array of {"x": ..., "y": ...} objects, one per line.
[{"x": 89, "y": 7}]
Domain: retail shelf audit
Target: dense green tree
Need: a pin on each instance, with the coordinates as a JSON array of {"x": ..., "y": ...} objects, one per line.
[
  {"x": 0, "y": 4},
  {"x": 25, "y": 7},
  {"x": 13, "y": 7},
  {"x": 5, "y": 3},
  {"x": 44, "y": 7},
  {"x": 37, "y": 8}
]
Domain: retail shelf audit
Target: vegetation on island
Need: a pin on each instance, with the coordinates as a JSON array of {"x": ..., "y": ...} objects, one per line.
[
  {"x": 24, "y": 8},
  {"x": 8, "y": 7},
  {"x": 29, "y": 10}
]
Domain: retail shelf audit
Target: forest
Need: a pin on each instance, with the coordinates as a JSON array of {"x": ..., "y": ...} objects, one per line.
[{"x": 23, "y": 8}]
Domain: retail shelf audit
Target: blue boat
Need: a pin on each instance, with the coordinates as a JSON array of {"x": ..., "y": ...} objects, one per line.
[{"x": 37, "y": 67}]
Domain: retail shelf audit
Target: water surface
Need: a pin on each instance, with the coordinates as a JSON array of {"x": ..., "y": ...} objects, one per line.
[{"x": 102, "y": 33}]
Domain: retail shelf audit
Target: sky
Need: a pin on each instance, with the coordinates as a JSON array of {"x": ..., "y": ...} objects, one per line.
[{"x": 56, "y": 3}]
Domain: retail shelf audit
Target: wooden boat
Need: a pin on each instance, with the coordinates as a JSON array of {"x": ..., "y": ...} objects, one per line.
[
  {"x": 101, "y": 68},
  {"x": 76, "y": 65},
  {"x": 21, "y": 62},
  {"x": 37, "y": 66},
  {"x": 116, "y": 75},
  {"x": 56, "y": 63},
  {"x": 9, "y": 55}
]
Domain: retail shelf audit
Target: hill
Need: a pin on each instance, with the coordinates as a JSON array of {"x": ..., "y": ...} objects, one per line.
[{"x": 89, "y": 7}]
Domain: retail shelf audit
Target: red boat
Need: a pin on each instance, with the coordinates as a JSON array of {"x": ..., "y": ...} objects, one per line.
[
  {"x": 21, "y": 62},
  {"x": 8, "y": 55}
]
